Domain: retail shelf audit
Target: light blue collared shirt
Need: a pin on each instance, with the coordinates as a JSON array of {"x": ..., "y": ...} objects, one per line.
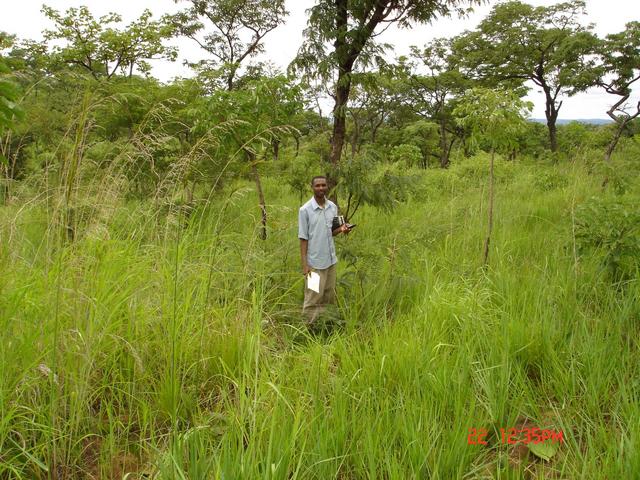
[{"x": 314, "y": 225}]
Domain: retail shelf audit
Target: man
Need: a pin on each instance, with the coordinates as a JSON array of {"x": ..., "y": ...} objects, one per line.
[{"x": 317, "y": 250}]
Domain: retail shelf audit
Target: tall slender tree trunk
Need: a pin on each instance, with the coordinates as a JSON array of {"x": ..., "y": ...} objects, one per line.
[
  {"x": 261, "y": 201},
  {"x": 444, "y": 145},
  {"x": 355, "y": 139},
  {"x": 488, "y": 239},
  {"x": 4, "y": 187}
]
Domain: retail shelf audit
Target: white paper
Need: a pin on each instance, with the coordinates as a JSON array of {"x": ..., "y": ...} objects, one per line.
[{"x": 313, "y": 282}]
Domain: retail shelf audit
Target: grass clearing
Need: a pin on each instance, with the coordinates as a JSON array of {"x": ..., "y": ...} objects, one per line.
[{"x": 171, "y": 346}]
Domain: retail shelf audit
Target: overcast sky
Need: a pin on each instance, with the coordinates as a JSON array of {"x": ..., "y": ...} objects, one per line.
[{"x": 24, "y": 19}]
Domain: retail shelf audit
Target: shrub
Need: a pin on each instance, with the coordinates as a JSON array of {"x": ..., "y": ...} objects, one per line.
[
  {"x": 475, "y": 170},
  {"x": 610, "y": 228},
  {"x": 550, "y": 180},
  {"x": 365, "y": 179},
  {"x": 409, "y": 154}
]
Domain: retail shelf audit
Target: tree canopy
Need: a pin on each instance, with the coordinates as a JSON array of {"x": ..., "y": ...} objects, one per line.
[
  {"x": 340, "y": 35},
  {"x": 231, "y": 31},
  {"x": 517, "y": 42},
  {"x": 98, "y": 47}
]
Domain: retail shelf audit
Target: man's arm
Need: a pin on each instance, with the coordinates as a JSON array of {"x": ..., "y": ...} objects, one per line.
[
  {"x": 303, "y": 235},
  {"x": 304, "y": 244}
]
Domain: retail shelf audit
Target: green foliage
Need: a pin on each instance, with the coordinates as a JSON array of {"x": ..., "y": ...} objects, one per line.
[
  {"x": 610, "y": 228},
  {"x": 366, "y": 180},
  {"x": 494, "y": 115},
  {"x": 442, "y": 181},
  {"x": 165, "y": 341},
  {"x": 474, "y": 171},
  {"x": 9, "y": 109},
  {"x": 410, "y": 155},
  {"x": 348, "y": 28},
  {"x": 533, "y": 140},
  {"x": 179, "y": 349},
  {"x": 622, "y": 175},
  {"x": 260, "y": 112},
  {"x": 102, "y": 50},
  {"x": 231, "y": 31},
  {"x": 373, "y": 97},
  {"x": 517, "y": 42},
  {"x": 515, "y": 38},
  {"x": 617, "y": 70},
  {"x": 547, "y": 180},
  {"x": 340, "y": 40},
  {"x": 619, "y": 61},
  {"x": 576, "y": 136},
  {"x": 424, "y": 135},
  {"x": 433, "y": 80},
  {"x": 302, "y": 169}
]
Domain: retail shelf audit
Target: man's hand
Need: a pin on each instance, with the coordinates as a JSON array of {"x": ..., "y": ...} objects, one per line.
[
  {"x": 341, "y": 229},
  {"x": 306, "y": 270}
]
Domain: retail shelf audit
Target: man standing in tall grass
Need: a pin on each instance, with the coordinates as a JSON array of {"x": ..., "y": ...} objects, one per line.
[{"x": 317, "y": 250}]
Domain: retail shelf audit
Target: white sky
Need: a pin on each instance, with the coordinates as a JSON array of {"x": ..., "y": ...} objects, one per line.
[{"x": 24, "y": 19}]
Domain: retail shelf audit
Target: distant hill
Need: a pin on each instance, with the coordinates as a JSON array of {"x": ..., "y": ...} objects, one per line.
[{"x": 564, "y": 121}]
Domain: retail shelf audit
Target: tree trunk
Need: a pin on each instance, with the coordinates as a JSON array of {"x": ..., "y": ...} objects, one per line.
[
  {"x": 276, "y": 149},
  {"x": 263, "y": 206},
  {"x": 488, "y": 239},
  {"x": 339, "y": 124},
  {"x": 4, "y": 187},
  {"x": 355, "y": 139},
  {"x": 347, "y": 49},
  {"x": 449, "y": 147},
  {"x": 444, "y": 147},
  {"x": 551, "y": 114},
  {"x": 614, "y": 142},
  {"x": 622, "y": 121},
  {"x": 375, "y": 127},
  {"x": 553, "y": 135}
]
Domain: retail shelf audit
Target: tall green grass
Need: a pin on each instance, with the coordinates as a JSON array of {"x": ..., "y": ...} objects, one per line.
[{"x": 172, "y": 345}]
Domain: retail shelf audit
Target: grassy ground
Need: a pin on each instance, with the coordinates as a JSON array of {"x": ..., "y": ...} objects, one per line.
[{"x": 173, "y": 348}]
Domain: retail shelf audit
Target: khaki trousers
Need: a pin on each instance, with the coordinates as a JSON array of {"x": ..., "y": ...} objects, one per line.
[{"x": 315, "y": 303}]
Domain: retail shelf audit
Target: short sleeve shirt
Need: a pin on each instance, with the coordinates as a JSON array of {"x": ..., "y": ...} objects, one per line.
[{"x": 314, "y": 225}]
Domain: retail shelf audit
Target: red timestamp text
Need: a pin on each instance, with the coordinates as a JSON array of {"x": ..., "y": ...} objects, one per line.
[{"x": 513, "y": 436}]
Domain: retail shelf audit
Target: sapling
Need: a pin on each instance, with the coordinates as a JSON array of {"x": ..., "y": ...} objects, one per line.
[{"x": 497, "y": 117}]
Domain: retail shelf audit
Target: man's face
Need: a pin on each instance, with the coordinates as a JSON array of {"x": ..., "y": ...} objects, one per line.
[{"x": 319, "y": 187}]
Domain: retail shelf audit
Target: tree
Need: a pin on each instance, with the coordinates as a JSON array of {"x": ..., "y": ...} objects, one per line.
[
  {"x": 373, "y": 98},
  {"x": 365, "y": 179},
  {"x": 495, "y": 116},
  {"x": 339, "y": 37},
  {"x": 618, "y": 69},
  {"x": 430, "y": 93},
  {"x": 255, "y": 116},
  {"x": 517, "y": 42},
  {"x": 28, "y": 59},
  {"x": 238, "y": 30},
  {"x": 425, "y": 135},
  {"x": 99, "y": 48},
  {"x": 9, "y": 110}
]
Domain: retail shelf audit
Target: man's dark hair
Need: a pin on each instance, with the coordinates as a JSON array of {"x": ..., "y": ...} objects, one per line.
[{"x": 317, "y": 177}]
